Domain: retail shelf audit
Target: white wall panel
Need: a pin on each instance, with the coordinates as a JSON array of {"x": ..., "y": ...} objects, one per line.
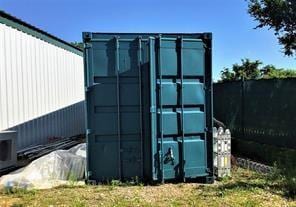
[{"x": 41, "y": 88}]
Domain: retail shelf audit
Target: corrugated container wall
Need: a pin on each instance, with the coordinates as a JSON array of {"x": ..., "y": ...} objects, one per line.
[
  {"x": 41, "y": 86},
  {"x": 149, "y": 106}
]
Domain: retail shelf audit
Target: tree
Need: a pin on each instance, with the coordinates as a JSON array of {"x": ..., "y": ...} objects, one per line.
[
  {"x": 270, "y": 71},
  {"x": 246, "y": 70},
  {"x": 227, "y": 75},
  {"x": 78, "y": 45},
  {"x": 249, "y": 70},
  {"x": 279, "y": 15}
]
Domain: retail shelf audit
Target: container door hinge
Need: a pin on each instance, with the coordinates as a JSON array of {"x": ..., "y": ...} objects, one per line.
[
  {"x": 208, "y": 89},
  {"x": 87, "y": 89},
  {"x": 89, "y": 173},
  {"x": 88, "y": 131},
  {"x": 152, "y": 109},
  {"x": 87, "y": 36},
  {"x": 87, "y": 45},
  {"x": 160, "y": 155},
  {"x": 90, "y": 87},
  {"x": 208, "y": 170}
]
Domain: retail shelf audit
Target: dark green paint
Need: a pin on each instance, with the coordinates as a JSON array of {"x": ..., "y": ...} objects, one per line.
[
  {"x": 147, "y": 106},
  {"x": 264, "y": 153},
  {"x": 262, "y": 111}
]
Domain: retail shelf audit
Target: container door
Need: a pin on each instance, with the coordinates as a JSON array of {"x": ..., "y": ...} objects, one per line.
[
  {"x": 177, "y": 76},
  {"x": 114, "y": 115}
]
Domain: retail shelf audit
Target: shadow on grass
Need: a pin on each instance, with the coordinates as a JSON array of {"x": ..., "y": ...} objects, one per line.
[
  {"x": 275, "y": 183},
  {"x": 241, "y": 185}
]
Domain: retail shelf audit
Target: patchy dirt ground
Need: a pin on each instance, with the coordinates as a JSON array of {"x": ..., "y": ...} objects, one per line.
[{"x": 245, "y": 188}]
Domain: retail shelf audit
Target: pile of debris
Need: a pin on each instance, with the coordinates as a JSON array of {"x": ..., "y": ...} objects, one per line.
[{"x": 31, "y": 153}]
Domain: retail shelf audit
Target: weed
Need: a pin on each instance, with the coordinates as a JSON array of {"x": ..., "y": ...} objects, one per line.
[
  {"x": 116, "y": 183},
  {"x": 19, "y": 192},
  {"x": 133, "y": 182},
  {"x": 225, "y": 179},
  {"x": 78, "y": 203},
  {"x": 284, "y": 178},
  {"x": 113, "y": 183},
  {"x": 72, "y": 179},
  {"x": 250, "y": 203}
]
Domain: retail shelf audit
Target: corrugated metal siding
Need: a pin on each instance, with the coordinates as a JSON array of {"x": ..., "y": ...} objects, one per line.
[{"x": 41, "y": 88}]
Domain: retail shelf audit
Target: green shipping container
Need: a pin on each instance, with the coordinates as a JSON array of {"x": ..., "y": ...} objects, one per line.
[{"x": 149, "y": 106}]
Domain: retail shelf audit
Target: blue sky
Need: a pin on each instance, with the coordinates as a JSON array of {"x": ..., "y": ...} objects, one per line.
[{"x": 232, "y": 27}]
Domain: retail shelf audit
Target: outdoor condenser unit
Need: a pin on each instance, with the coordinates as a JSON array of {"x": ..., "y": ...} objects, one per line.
[{"x": 7, "y": 149}]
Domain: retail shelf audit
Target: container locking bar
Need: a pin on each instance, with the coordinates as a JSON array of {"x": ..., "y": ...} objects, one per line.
[
  {"x": 118, "y": 104},
  {"x": 153, "y": 108},
  {"x": 180, "y": 50},
  {"x": 161, "y": 164},
  {"x": 140, "y": 100}
]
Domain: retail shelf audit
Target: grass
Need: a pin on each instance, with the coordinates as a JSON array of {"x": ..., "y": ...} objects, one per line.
[
  {"x": 284, "y": 177},
  {"x": 244, "y": 188}
]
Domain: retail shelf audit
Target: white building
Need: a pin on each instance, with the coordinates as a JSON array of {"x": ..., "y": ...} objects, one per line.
[{"x": 41, "y": 84}]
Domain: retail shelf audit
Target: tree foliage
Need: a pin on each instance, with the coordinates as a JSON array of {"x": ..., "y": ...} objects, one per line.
[
  {"x": 78, "y": 45},
  {"x": 227, "y": 75},
  {"x": 279, "y": 15},
  {"x": 250, "y": 70},
  {"x": 270, "y": 71},
  {"x": 246, "y": 70}
]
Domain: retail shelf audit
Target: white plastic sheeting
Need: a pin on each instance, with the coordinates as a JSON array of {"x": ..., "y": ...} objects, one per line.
[{"x": 57, "y": 168}]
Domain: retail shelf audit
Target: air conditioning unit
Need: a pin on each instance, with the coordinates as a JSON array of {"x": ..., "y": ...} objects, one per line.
[{"x": 7, "y": 149}]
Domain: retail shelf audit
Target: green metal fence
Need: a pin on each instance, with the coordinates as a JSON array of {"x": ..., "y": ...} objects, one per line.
[{"x": 263, "y": 111}]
